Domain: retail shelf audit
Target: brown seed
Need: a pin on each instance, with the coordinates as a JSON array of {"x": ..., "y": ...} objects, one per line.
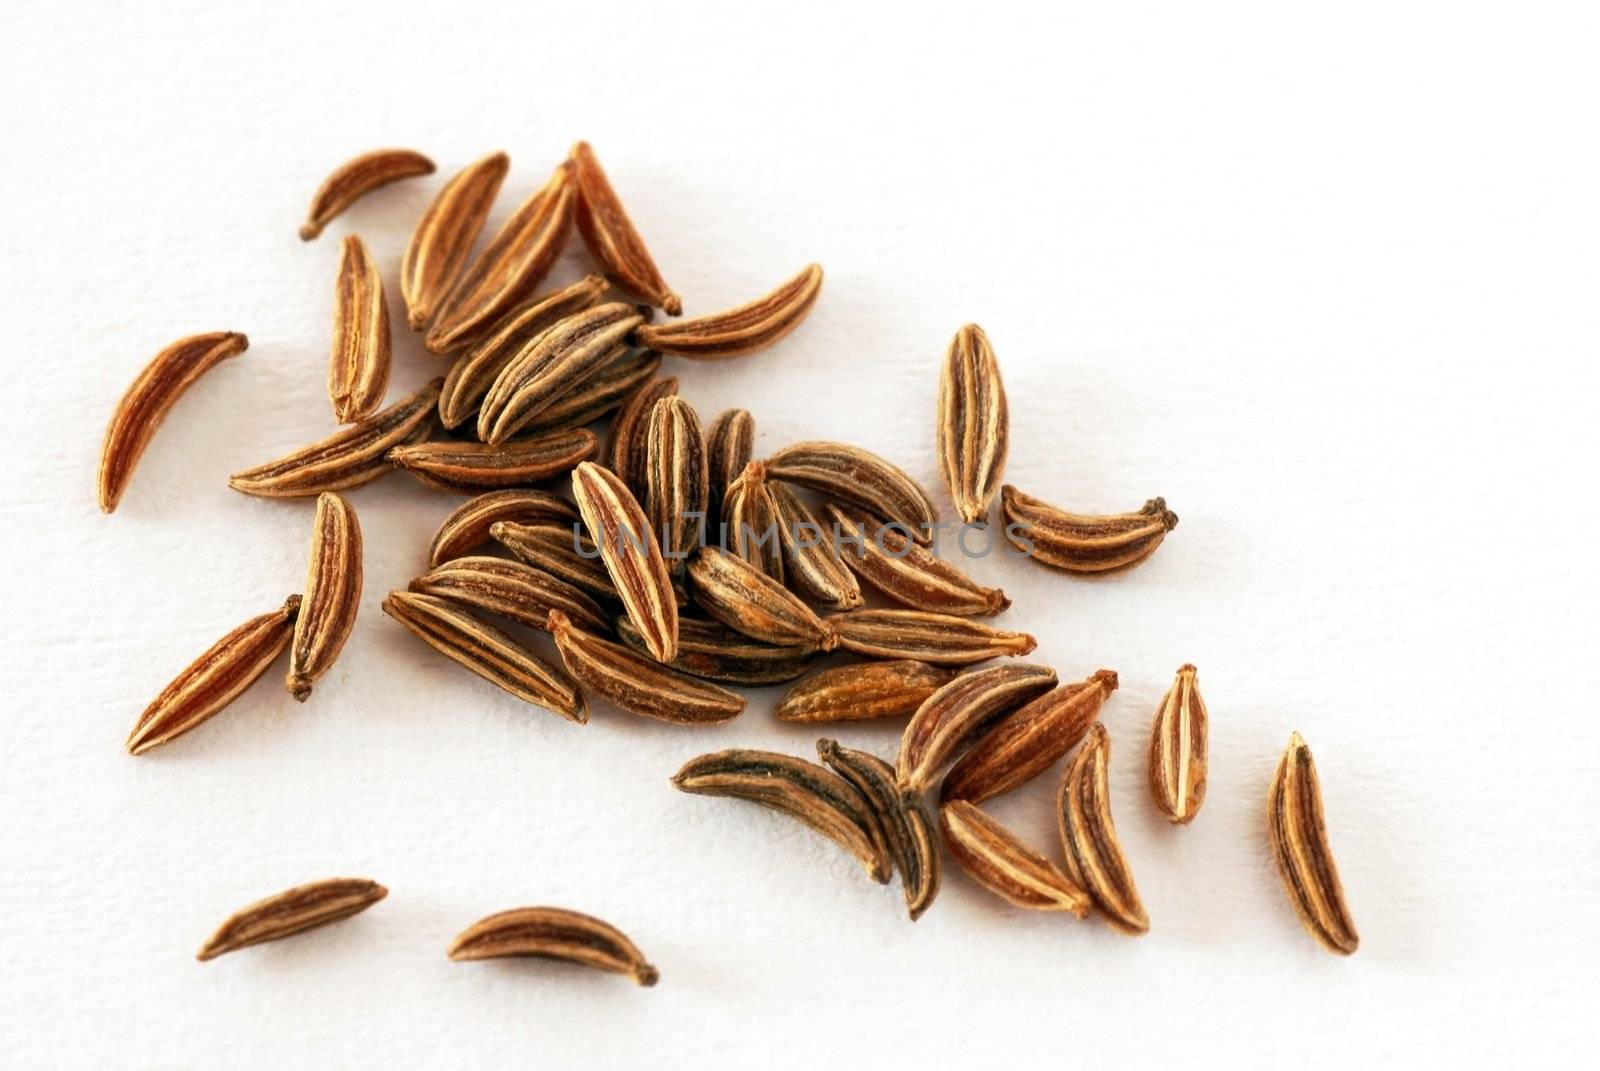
[
  {"x": 676, "y": 479},
  {"x": 925, "y": 637},
  {"x": 1094, "y": 855},
  {"x": 560, "y": 550},
  {"x": 960, "y": 712},
  {"x": 730, "y": 444},
  {"x": 711, "y": 652},
  {"x": 881, "y": 555},
  {"x": 862, "y": 691},
  {"x": 148, "y": 400},
  {"x": 636, "y": 683},
  {"x": 1079, "y": 543},
  {"x": 748, "y": 328},
  {"x": 360, "y": 176},
  {"x": 974, "y": 429},
  {"x": 290, "y": 912},
  {"x": 597, "y": 396},
  {"x": 348, "y": 458},
  {"x": 332, "y": 594},
  {"x": 513, "y": 266},
  {"x": 631, "y": 555},
  {"x": 1178, "y": 750},
  {"x": 1300, "y": 845},
  {"x": 358, "y": 368},
  {"x": 511, "y": 589},
  {"x": 469, "y": 468},
  {"x": 626, "y": 452},
  {"x": 811, "y": 559},
  {"x": 736, "y": 593},
  {"x": 444, "y": 236},
  {"x": 553, "y": 364},
  {"x": 471, "y": 524},
  {"x": 215, "y": 679},
  {"x": 863, "y": 479},
  {"x": 496, "y": 656},
  {"x": 554, "y": 933},
  {"x": 750, "y": 523},
  {"x": 995, "y": 858},
  {"x": 803, "y": 790},
  {"x": 611, "y": 237},
  {"x": 907, "y": 829},
  {"x": 1026, "y": 742}
]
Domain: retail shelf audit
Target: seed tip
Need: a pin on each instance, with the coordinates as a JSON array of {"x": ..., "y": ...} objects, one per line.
[
  {"x": 646, "y": 975},
  {"x": 309, "y": 230},
  {"x": 1107, "y": 678}
]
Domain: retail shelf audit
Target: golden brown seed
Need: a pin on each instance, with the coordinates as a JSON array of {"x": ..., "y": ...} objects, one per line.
[
  {"x": 148, "y": 400},
  {"x": 974, "y": 428},
  {"x": 736, "y": 593},
  {"x": 496, "y": 656},
  {"x": 332, "y": 594},
  {"x": 513, "y": 266},
  {"x": 558, "y": 361},
  {"x": 636, "y": 683},
  {"x": 631, "y": 555},
  {"x": 611, "y": 237},
  {"x": 676, "y": 479},
  {"x": 1300, "y": 845},
  {"x": 1178, "y": 750},
  {"x": 711, "y": 652},
  {"x": 472, "y": 523},
  {"x": 468, "y": 468},
  {"x": 960, "y": 712},
  {"x": 995, "y": 858},
  {"x": 626, "y": 452},
  {"x": 511, "y": 589},
  {"x": 292, "y": 911},
  {"x": 803, "y": 790},
  {"x": 554, "y": 933},
  {"x": 215, "y": 679},
  {"x": 360, "y": 176},
  {"x": 750, "y": 522},
  {"x": 811, "y": 559},
  {"x": 349, "y": 458},
  {"x": 1080, "y": 543},
  {"x": 444, "y": 236},
  {"x": 863, "y": 479},
  {"x": 862, "y": 691},
  {"x": 939, "y": 638},
  {"x": 358, "y": 368},
  {"x": 1029, "y": 740},
  {"x": 593, "y": 398},
  {"x": 881, "y": 555},
  {"x": 1094, "y": 856},
  {"x": 748, "y": 328},
  {"x": 561, "y": 550},
  {"x": 907, "y": 830},
  {"x": 730, "y": 445}
]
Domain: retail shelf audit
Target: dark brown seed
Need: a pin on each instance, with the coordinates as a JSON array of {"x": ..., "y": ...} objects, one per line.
[
  {"x": 950, "y": 719},
  {"x": 511, "y": 589},
  {"x": 638, "y": 684},
  {"x": 907, "y": 573},
  {"x": 612, "y": 238},
  {"x": 562, "y": 550},
  {"x": 595, "y": 397},
  {"x": 470, "y": 468},
  {"x": 360, "y": 176},
  {"x": 730, "y": 445},
  {"x": 556, "y": 362},
  {"x": 750, "y": 522},
  {"x": 554, "y": 933},
  {"x": 734, "y": 592},
  {"x": 676, "y": 480},
  {"x": 292, "y": 911},
  {"x": 863, "y": 479},
  {"x": 631, "y": 555},
  {"x": 925, "y": 637},
  {"x": 907, "y": 829},
  {"x": 626, "y": 452},
  {"x": 862, "y": 691},
  {"x": 444, "y": 236},
  {"x": 996, "y": 858},
  {"x": 1080, "y": 543},
  {"x": 1305, "y": 859},
  {"x": 471, "y": 524},
  {"x": 974, "y": 424},
  {"x": 750, "y": 327},
  {"x": 358, "y": 365},
  {"x": 711, "y": 652},
  {"x": 811, "y": 559},
  {"x": 1094, "y": 856},
  {"x": 332, "y": 594}
]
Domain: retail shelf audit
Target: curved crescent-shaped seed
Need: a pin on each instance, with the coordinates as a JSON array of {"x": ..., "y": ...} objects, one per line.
[
  {"x": 444, "y": 236},
  {"x": 860, "y": 478},
  {"x": 612, "y": 238},
  {"x": 631, "y": 555},
  {"x": 332, "y": 594},
  {"x": 471, "y": 524},
  {"x": 939, "y": 638},
  {"x": 625, "y": 453},
  {"x": 1093, "y": 853},
  {"x": 149, "y": 398},
  {"x": 560, "y": 549},
  {"x": 1078, "y": 542},
  {"x": 469, "y": 468},
  {"x": 861, "y": 691},
  {"x": 739, "y": 595},
  {"x": 974, "y": 429},
  {"x": 511, "y": 589},
  {"x": 712, "y": 652},
  {"x": 803, "y": 790},
  {"x": 1178, "y": 750},
  {"x": 1300, "y": 845},
  {"x": 811, "y": 558},
  {"x": 351, "y": 180},
  {"x": 1029, "y": 740},
  {"x": 215, "y": 679},
  {"x": 557, "y": 362},
  {"x": 995, "y": 858},
  {"x": 907, "y": 829},
  {"x": 748, "y": 328},
  {"x": 953, "y": 717},
  {"x": 554, "y": 933},
  {"x": 496, "y": 656},
  {"x": 358, "y": 367},
  {"x": 597, "y": 396},
  {"x": 750, "y": 525},
  {"x": 676, "y": 479},
  {"x": 292, "y": 911},
  {"x": 349, "y": 458},
  {"x": 909, "y": 574},
  {"x": 515, "y": 263},
  {"x": 636, "y": 683},
  {"x": 730, "y": 445}
]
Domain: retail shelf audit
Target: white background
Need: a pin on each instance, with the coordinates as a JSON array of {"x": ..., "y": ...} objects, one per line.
[{"x": 1325, "y": 281}]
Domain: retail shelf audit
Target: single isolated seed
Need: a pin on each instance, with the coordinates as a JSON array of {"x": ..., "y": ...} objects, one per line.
[
  {"x": 676, "y": 478},
  {"x": 598, "y": 395},
  {"x": 358, "y": 367},
  {"x": 511, "y": 589},
  {"x": 626, "y": 452},
  {"x": 561, "y": 550},
  {"x": 1178, "y": 750},
  {"x": 470, "y": 468},
  {"x": 351, "y": 180},
  {"x": 751, "y": 528},
  {"x": 995, "y": 858},
  {"x": 636, "y": 683},
  {"x": 730, "y": 446},
  {"x": 332, "y": 594},
  {"x": 862, "y": 691},
  {"x": 148, "y": 400},
  {"x": 739, "y": 595},
  {"x": 811, "y": 558},
  {"x": 907, "y": 830},
  {"x": 554, "y": 933},
  {"x": 712, "y": 652},
  {"x": 1094, "y": 855},
  {"x": 938, "y": 638},
  {"x": 471, "y": 524},
  {"x": 1300, "y": 845},
  {"x": 974, "y": 428},
  {"x": 863, "y": 479},
  {"x": 1080, "y": 543},
  {"x": 556, "y": 362},
  {"x": 632, "y": 556},
  {"x": 612, "y": 238},
  {"x": 748, "y": 328},
  {"x": 293, "y": 911},
  {"x": 909, "y": 574},
  {"x": 960, "y": 712},
  {"x": 444, "y": 236}
]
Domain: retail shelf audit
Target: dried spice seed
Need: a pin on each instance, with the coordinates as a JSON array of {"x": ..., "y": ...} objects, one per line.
[
  {"x": 811, "y": 559},
  {"x": 1026, "y": 742},
  {"x": 148, "y": 400},
  {"x": 444, "y": 236},
  {"x": 349, "y": 458},
  {"x": 1080, "y": 543},
  {"x": 712, "y": 652},
  {"x": 730, "y": 445},
  {"x": 1300, "y": 846},
  {"x": 907, "y": 829},
  {"x": 636, "y": 683},
  {"x": 561, "y": 551},
  {"x": 1178, "y": 750},
  {"x": 600, "y": 394},
  {"x": 739, "y": 595},
  {"x": 974, "y": 428},
  {"x": 863, "y": 479},
  {"x": 750, "y": 522},
  {"x": 496, "y": 656},
  {"x": 471, "y": 524},
  {"x": 960, "y": 712},
  {"x": 748, "y": 328},
  {"x": 558, "y": 361},
  {"x": 1094, "y": 855},
  {"x": 554, "y": 933},
  {"x": 293, "y": 911},
  {"x": 924, "y": 637},
  {"x": 215, "y": 679},
  {"x": 676, "y": 478},
  {"x": 995, "y": 858},
  {"x": 803, "y": 790},
  {"x": 612, "y": 238},
  {"x": 358, "y": 367},
  {"x": 626, "y": 452},
  {"x": 862, "y": 691},
  {"x": 907, "y": 573},
  {"x": 332, "y": 594},
  {"x": 469, "y": 468},
  {"x": 357, "y": 177},
  {"x": 631, "y": 555},
  {"x": 511, "y": 589}
]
